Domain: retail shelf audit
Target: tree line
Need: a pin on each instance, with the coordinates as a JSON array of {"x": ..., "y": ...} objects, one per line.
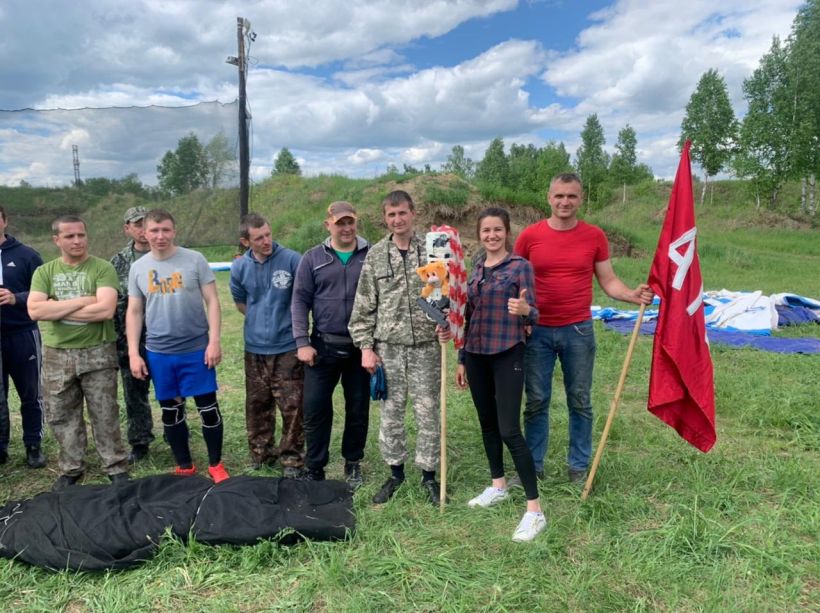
[{"x": 779, "y": 137}]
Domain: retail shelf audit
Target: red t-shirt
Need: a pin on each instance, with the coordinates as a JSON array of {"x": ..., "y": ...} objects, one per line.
[{"x": 564, "y": 264}]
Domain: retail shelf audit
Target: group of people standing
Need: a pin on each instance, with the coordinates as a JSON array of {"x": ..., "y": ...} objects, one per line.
[{"x": 153, "y": 313}]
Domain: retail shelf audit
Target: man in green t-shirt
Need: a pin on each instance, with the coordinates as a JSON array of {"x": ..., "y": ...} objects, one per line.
[{"x": 77, "y": 295}]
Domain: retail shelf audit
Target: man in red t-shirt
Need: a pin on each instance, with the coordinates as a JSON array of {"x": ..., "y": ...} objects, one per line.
[{"x": 565, "y": 254}]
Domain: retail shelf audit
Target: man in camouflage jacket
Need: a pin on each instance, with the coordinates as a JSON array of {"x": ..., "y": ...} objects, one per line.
[
  {"x": 390, "y": 329},
  {"x": 135, "y": 391}
]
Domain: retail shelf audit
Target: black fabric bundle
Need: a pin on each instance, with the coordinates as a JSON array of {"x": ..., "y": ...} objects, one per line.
[{"x": 98, "y": 527}]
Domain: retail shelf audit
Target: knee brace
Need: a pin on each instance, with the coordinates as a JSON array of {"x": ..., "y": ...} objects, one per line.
[
  {"x": 208, "y": 409},
  {"x": 173, "y": 411}
]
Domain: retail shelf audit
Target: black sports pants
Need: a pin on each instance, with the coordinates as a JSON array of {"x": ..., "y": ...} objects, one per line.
[{"x": 497, "y": 384}]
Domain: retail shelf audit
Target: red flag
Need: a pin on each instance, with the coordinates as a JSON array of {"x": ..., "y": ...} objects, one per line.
[{"x": 681, "y": 383}]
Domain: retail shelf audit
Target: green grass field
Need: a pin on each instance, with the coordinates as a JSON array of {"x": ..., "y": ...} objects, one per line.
[{"x": 666, "y": 527}]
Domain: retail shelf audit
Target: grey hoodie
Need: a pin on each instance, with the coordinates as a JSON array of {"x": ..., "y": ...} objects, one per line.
[{"x": 327, "y": 287}]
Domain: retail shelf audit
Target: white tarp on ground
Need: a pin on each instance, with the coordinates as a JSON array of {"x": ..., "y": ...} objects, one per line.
[
  {"x": 219, "y": 265},
  {"x": 750, "y": 312}
]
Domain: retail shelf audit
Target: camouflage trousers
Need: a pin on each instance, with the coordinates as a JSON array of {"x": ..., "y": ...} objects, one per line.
[
  {"x": 135, "y": 393},
  {"x": 271, "y": 381},
  {"x": 414, "y": 372},
  {"x": 68, "y": 377}
]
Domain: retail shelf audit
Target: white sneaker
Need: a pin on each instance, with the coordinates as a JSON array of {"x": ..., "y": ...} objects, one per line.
[
  {"x": 489, "y": 497},
  {"x": 528, "y": 528}
]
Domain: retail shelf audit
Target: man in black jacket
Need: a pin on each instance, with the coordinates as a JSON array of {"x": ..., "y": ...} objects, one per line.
[
  {"x": 21, "y": 345},
  {"x": 325, "y": 284}
]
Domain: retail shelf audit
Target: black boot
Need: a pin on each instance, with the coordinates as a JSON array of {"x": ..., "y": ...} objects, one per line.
[
  {"x": 138, "y": 452},
  {"x": 35, "y": 457}
]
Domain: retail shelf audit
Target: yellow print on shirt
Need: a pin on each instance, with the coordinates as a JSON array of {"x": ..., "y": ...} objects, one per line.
[{"x": 168, "y": 285}]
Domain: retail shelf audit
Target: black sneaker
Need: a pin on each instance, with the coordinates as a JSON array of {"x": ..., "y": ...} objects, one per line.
[
  {"x": 312, "y": 474},
  {"x": 138, "y": 452},
  {"x": 65, "y": 481},
  {"x": 4, "y": 456},
  {"x": 353, "y": 475},
  {"x": 432, "y": 488},
  {"x": 35, "y": 457},
  {"x": 293, "y": 472},
  {"x": 388, "y": 489},
  {"x": 119, "y": 478}
]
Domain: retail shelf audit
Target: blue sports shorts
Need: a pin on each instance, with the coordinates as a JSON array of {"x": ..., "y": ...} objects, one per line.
[{"x": 180, "y": 374}]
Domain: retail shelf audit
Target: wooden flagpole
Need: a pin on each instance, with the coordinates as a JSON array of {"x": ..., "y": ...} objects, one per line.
[
  {"x": 614, "y": 406},
  {"x": 443, "y": 408}
]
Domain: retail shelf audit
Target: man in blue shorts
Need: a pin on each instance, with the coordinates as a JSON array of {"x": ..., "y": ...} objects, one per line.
[{"x": 167, "y": 288}]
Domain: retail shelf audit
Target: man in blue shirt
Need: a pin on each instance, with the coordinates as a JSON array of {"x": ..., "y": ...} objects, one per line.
[{"x": 261, "y": 286}]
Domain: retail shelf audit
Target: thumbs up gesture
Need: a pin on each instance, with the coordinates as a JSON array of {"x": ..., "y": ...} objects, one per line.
[{"x": 519, "y": 306}]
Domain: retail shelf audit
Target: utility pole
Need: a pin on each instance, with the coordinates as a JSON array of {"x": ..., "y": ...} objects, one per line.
[
  {"x": 75, "y": 151},
  {"x": 243, "y": 26}
]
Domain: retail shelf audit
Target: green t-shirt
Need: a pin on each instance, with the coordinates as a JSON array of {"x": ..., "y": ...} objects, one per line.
[
  {"x": 344, "y": 256},
  {"x": 59, "y": 281}
]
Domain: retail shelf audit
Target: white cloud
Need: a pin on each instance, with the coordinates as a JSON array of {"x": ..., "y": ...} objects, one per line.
[
  {"x": 365, "y": 156},
  {"x": 82, "y": 47},
  {"x": 646, "y": 57},
  {"x": 637, "y": 63}
]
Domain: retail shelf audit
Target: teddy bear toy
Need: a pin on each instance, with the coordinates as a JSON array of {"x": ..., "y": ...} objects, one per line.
[
  {"x": 434, "y": 299},
  {"x": 434, "y": 276}
]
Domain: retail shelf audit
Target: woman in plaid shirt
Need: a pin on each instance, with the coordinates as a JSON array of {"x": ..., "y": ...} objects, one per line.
[{"x": 500, "y": 303}]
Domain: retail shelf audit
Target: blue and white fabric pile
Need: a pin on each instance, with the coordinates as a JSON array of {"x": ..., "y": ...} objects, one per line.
[{"x": 740, "y": 319}]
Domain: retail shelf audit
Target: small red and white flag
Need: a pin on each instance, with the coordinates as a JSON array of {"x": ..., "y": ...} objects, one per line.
[{"x": 681, "y": 383}]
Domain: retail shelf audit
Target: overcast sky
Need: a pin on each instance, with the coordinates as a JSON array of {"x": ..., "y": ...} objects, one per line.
[{"x": 350, "y": 86}]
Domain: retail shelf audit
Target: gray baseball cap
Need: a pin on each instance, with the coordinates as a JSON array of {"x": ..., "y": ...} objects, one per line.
[{"x": 135, "y": 213}]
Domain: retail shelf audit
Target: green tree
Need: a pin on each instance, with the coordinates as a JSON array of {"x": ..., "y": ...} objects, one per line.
[
  {"x": 220, "y": 158},
  {"x": 625, "y": 160},
  {"x": 591, "y": 159},
  {"x": 523, "y": 163},
  {"x": 184, "y": 169},
  {"x": 710, "y": 124},
  {"x": 804, "y": 64},
  {"x": 767, "y": 133},
  {"x": 459, "y": 164},
  {"x": 552, "y": 160},
  {"x": 286, "y": 164},
  {"x": 624, "y": 168},
  {"x": 494, "y": 169}
]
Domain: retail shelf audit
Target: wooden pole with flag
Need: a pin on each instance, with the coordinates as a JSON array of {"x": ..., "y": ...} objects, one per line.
[
  {"x": 614, "y": 406},
  {"x": 443, "y": 408},
  {"x": 443, "y": 244},
  {"x": 681, "y": 380}
]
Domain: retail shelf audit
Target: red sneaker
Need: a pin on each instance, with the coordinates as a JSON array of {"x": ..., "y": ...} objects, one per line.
[
  {"x": 185, "y": 472},
  {"x": 218, "y": 472}
]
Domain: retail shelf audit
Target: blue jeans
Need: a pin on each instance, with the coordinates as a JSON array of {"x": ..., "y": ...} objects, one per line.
[{"x": 574, "y": 346}]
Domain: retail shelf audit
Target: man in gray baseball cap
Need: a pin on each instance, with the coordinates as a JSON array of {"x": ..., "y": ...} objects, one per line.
[{"x": 135, "y": 391}]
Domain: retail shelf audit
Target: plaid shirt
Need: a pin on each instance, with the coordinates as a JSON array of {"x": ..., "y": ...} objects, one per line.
[{"x": 489, "y": 328}]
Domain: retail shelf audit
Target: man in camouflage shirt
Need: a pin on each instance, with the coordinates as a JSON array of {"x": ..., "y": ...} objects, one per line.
[
  {"x": 390, "y": 328},
  {"x": 135, "y": 391}
]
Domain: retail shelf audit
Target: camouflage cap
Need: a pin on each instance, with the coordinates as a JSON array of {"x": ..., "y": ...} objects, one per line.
[
  {"x": 135, "y": 213},
  {"x": 339, "y": 210}
]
